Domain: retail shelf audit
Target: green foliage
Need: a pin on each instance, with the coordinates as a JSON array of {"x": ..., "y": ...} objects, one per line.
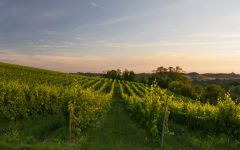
[
  {"x": 179, "y": 87},
  {"x": 197, "y": 92},
  {"x": 229, "y": 117},
  {"x": 235, "y": 93},
  {"x": 176, "y": 86},
  {"x": 113, "y": 74},
  {"x": 172, "y": 78},
  {"x": 27, "y": 92},
  {"x": 147, "y": 110},
  {"x": 212, "y": 93},
  {"x": 128, "y": 75},
  {"x": 224, "y": 117}
]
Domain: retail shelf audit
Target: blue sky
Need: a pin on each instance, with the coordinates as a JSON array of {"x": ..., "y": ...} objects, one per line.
[{"x": 97, "y": 35}]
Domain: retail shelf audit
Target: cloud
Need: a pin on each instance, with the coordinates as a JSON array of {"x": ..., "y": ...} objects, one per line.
[
  {"x": 53, "y": 14},
  {"x": 56, "y": 62},
  {"x": 78, "y": 38},
  {"x": 138, "y": 62},
  {"x": 51, "y": 44},
  {"x": 4, "y": 51},
  {"x": 93, "y": 4},
  {"x": 176, "y": 44},
  {"x": 119, "y": 19},
  {"x": 106, "y": 22},
  {"x": 50, "y": 32},
  {"x": 114, "y": 21}
]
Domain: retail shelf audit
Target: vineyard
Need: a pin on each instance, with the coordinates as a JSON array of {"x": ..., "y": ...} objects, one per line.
[
  {"x": 27, "y": 93},
  {"x": 148, "y": 110}
]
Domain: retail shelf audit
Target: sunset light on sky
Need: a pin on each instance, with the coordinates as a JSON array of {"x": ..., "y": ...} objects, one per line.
[{"x": 97, "y": 35}]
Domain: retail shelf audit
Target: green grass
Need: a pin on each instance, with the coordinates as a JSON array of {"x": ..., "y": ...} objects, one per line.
[
  {"x": 183, "y": 139},
  {"x": 34, "y": 133},
  {"x": 116, "y": 131}
]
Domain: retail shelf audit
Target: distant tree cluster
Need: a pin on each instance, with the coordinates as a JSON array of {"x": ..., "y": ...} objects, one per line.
[
  {"x": 230, "y": 85},
  {"x": 114, "y": 74},
  {"x": 209, "y": 93},
  {"x": 174, "y": 79},
  {"x": 127, "y": 75},
  {"x": 235, "y": 93}
]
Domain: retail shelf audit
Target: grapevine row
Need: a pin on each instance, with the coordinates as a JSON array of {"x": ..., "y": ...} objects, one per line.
[{"x": 148, "y": 110}]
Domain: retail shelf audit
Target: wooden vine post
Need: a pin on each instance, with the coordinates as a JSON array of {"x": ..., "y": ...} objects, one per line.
[
  {"x": 165, "y": 124},
  {"x": 70, "y": 111}
]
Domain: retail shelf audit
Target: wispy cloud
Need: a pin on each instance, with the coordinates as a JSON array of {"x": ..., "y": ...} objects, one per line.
[
  {"x": 51, "y": 44},
  {"x": 107, "y": 22},
  {"x": 3, "y": 52},
  {"x": 50, "y": 32},
  {"x": 117, "y": 20},
  {"x": 53, "y": 14},
  {"x": 56, "y": 62},
  {"x": 94, "y": 4},
  {"x": 139, "y": 62},
  {"x": 180, "y": 43}
]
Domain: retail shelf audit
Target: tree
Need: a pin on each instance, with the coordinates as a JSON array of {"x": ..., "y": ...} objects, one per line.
[
  {"x": 119, "y": 72},
  {"x": 171, "y": 69},
  {"x": 175, "y": 86},
  {"x": 128, "y": 75},
  {"x": 160, "y": 70},
  {"x": 142, "y": 78},
  {"x": 179, "y": 69},
  {"x": 125, "y": 74},
  {"x": 164, "y": 76},
  {"x": 180, "y": 88},
  {"x": 197, "y": 91},
  {"x": 235, "y": 93},
  {"x": 114, "y": 74},
  {"x": 212, "y": 93}
]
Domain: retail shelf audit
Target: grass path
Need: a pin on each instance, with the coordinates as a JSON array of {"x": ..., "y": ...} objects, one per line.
[{"x": 117, "y": 132}]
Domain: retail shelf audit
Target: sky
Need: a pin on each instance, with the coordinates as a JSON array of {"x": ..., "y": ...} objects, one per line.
[{"x": 140, "y": 35}]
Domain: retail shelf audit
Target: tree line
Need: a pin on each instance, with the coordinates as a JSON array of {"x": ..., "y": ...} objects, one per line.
[
  {"x": 175, "y": 80},
  {"x": 126, "y": 74}
]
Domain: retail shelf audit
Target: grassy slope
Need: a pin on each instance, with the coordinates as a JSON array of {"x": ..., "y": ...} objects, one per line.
[{"x": 11, "y": 67}]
